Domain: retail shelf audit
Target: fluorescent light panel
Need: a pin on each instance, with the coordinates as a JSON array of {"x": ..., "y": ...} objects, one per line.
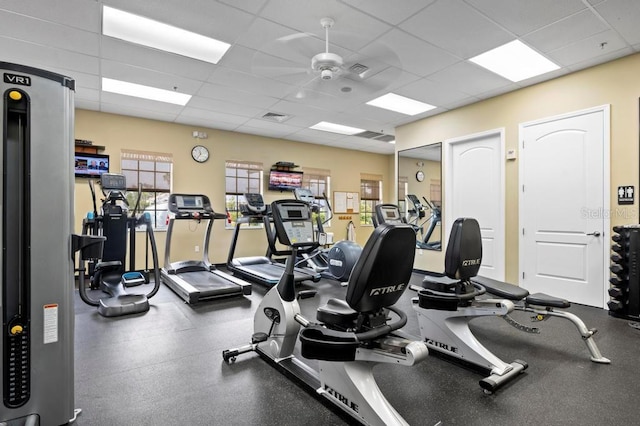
[
  {"x": 515, "y": 61},
  {"x": 400, "y": 104},
  {"x": 146, "y": 92},
  {"x": 147, "y": 32},
  {"x": 325, "y": 126}
]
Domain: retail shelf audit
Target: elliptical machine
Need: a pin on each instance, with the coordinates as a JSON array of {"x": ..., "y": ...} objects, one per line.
[
  {"x": 336, "y": 262},
  {"x": 435, "y": 218},
  {"x": 108, "y": 273},
  {"x": 352, "y": 335}
]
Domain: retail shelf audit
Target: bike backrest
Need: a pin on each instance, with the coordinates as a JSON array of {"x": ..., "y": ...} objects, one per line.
[
  {"x": 384, "y": 268},
  {"x": 464, "y": 252}
]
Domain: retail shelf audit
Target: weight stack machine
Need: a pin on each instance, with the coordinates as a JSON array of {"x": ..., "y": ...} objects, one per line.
[
  {"x": 625, "y": 277},
  {"x": 36, "y": 346}
]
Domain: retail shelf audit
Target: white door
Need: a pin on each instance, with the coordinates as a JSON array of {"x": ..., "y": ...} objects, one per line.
[
  {"x": 564, "y": 199},
  {"x": 474, "y": 187}
]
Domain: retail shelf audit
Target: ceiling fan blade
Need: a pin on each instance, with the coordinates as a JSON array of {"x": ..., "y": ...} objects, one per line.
[
  {"x": 299, "y": 48},
  {"x": 269, "y": 66}
]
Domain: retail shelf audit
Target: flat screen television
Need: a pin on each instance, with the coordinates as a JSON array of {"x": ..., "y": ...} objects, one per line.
[
  {"x": 284, "y": 180},
  {"x": 91, "y": 165}
]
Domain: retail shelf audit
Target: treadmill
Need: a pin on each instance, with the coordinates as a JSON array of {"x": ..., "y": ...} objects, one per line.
[
  {"x": 197, "y": 280},
  {"x": 261, "y": 269}
]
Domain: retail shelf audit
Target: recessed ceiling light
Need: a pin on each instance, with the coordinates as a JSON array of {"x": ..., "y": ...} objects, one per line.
[
  {"x": 393, "y": 142},
  {"x": 336, "y": 128},
  {"x": 515, "y": 61},
  {"x": 146, "y": 92},
  {"x": 400, "y": 104},
  {"x": 137, "y": 29}
]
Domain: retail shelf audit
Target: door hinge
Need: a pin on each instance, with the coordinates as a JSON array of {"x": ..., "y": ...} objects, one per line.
[
  {"x": 523, "y": 144},
  {"x": 523, "y": 275},
  {"x": 522, "y": 231},
  {"x": 522, "y": 188}
]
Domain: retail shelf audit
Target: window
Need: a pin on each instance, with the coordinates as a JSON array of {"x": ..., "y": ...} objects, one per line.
[
  {"x": 152, "y": 171},
  {"x": 318, "y": 180},
  {"x": 370, "y": 191},
  {"x": 403, "y": 188},
  {"x": 240, "y": 177}
]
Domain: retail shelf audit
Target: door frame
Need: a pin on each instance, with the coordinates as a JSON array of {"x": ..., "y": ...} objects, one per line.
[
  {"x": 447, "y": 157},
  {"x": 606, "y": 183}
]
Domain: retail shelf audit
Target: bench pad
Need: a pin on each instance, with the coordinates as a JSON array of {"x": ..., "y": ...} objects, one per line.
[{"x": 501, "y": 288}]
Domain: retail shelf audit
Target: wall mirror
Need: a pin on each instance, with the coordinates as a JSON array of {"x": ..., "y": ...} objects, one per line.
[{"x": 420, "y": 195}]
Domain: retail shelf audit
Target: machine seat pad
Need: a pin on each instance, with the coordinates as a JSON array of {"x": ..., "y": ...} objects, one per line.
[
  {"x": 114, "y": 264},
  {"x": 501, "y": 288},
  {"x": 439, "y": 283},
  {"x": 323, "y": 344},
  {"x": 541, "y": 299},
  {"x": 336, "y": 313}
]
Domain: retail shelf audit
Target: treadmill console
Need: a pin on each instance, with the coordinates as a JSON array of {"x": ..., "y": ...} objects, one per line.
[
  {"x": 192, "y": 206},
  {"x": 388, "y": 213},
  {"x": 255, "y": 205},
  {"x": 292, "y": 219},
  {"x": 113, "y": 182}
]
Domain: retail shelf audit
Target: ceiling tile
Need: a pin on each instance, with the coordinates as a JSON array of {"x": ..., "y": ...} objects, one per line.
[
  {"x": 457, "y": 28},
  {"x": 622, "y": 15},
  {"x": 74, "y": 13},
  {"x": 154, "y": 59},
  {"x": 46, "y": 33},
  {"x": 45, "y": 57},
  {"x": 251, "y": 83},
  {"x": 251, "y": 6},
  {"x": 388, "y": 11},
  {"x": 524, "y": 16},
  {"x": 564, "y": 32},
  {"x": 147, "y": 77},
  {"x": 417, "y": 56},
  {"x": 202, "y": 122},
  {"x": 224, "y": 107},
  {"x": 431, "y": 92},
  {"x": 352, "y": 29},
  {"x": 212, "y": 116},
  {"x": 468, "y": 78},
  {"x": 221, "y": 92},
  {"x": 106, "y": 105},
  {"x": 588, "y": 48}
]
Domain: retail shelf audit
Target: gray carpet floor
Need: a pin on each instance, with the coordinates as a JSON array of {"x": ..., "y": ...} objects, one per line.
[{"x": 165, "y": 367}]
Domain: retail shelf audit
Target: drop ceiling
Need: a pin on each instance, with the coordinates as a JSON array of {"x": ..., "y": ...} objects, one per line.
[{"x": 415, "y": 48}]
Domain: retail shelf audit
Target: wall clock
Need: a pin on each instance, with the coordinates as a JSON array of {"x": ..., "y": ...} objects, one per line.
[
  {"x": 420, "y": 176},
  {"x": 200, "y": 153}
]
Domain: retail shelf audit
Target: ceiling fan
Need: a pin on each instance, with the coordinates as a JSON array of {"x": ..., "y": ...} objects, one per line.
[{"x": 353, "y": 65}]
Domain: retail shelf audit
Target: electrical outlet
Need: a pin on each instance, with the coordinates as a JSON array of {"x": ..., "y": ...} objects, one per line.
[{"x": 197, "y": 249}]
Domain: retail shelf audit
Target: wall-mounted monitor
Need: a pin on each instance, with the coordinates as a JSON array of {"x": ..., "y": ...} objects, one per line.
[
  {"x": 91, "y": 165},
  {"x": 284, "y": 180}
]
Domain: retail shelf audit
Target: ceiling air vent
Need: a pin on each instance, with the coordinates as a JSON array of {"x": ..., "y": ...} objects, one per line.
[
  {"x": 358, "y": 69},
  {"x": 368, "y": 134},
  {"x": 278, "y": 118},
  {"x": 385, "y": 138}
]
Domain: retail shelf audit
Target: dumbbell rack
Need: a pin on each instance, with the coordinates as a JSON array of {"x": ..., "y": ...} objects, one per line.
[{"x": 625, "y": 273}]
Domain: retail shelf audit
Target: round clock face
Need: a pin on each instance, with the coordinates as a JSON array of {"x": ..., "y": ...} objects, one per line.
[
  {"x": 420, "y": 176},
  {"x": 200, "y": 153}
]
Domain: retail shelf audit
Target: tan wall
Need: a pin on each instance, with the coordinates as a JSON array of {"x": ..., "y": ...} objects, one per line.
[
  {"x": 615, "y": 83},
  {"x": 116, "y": 132}
]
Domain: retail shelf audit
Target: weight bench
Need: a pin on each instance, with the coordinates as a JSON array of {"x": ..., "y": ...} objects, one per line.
[
  {"x": 446, "y": 303},
  {"x": 542, "y": 305}
]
